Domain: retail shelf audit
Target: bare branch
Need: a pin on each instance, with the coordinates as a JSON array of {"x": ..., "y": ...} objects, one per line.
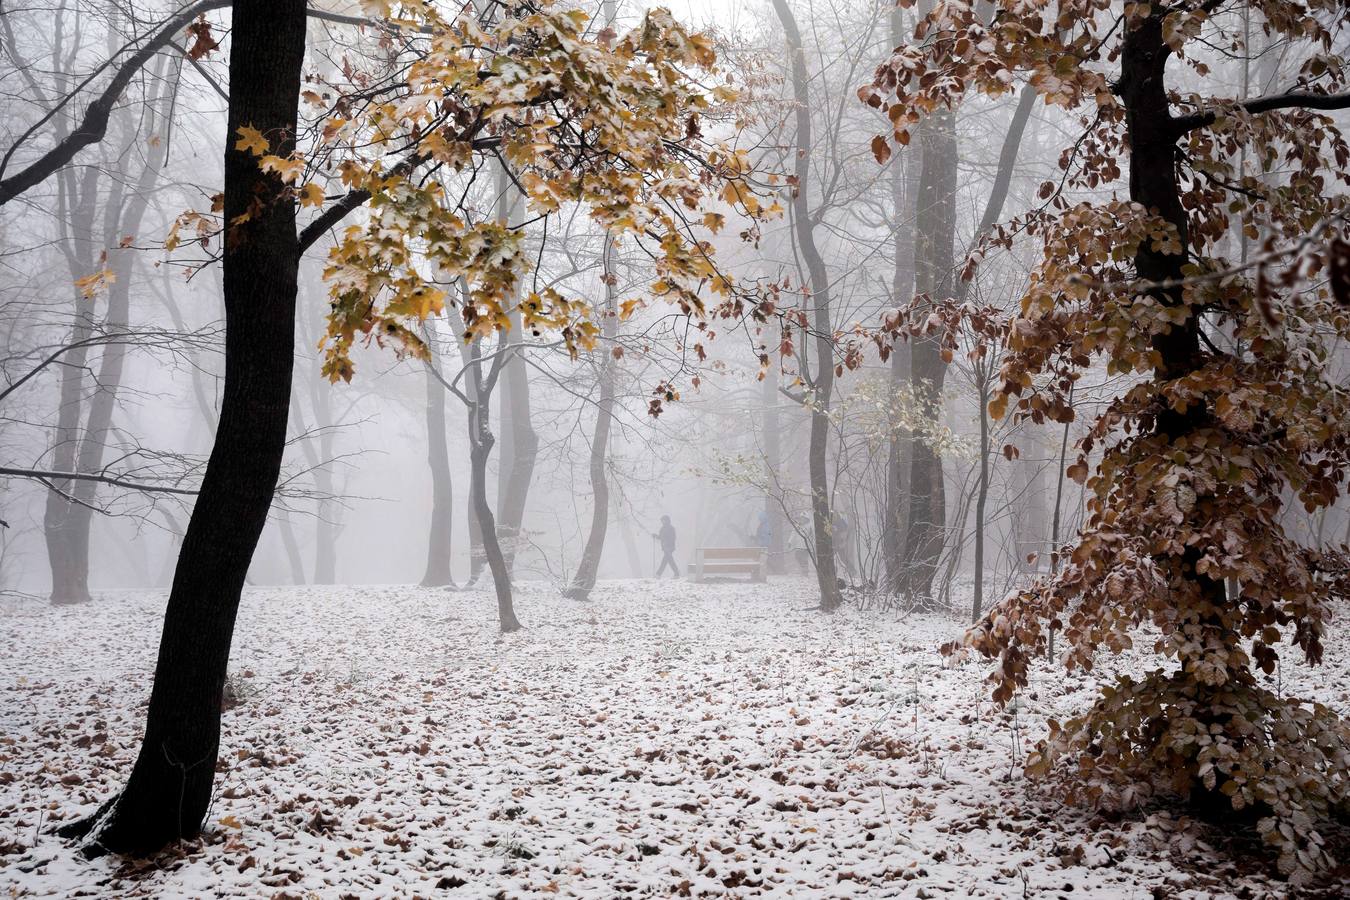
[
  {"x": 1257, "y": 105},
  {"x": 46, "y": 476}
]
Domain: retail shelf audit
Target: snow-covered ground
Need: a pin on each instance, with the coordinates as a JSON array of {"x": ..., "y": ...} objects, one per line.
[{"x": 665, "y": 739}]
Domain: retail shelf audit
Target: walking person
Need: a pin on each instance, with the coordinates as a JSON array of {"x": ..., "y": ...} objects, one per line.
[
  {"x": 763, "y": 531},
  {"x": 667, "y": 538}
]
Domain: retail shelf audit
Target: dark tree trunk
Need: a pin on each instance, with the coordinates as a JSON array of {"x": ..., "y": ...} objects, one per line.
[
  {"x": 169, "y": 789},
  {"x": 589, "y": 566},
  {"x": 442, "y": 490},
  {"x": 821, "y": 381},
  {"x": 1153, "y": 184},
  {"x": 933, "y": 263},
  {"x": 480, "y": 448},
  {"x": 468, "y": 354}
]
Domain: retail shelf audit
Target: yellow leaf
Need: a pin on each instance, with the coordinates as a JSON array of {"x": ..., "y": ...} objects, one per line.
[
  {"x": 231, "y": 822},
  {"x": 311, "y": 195},
  {"x": 288, "y": 169},
  {"x": 92, "y": 285},
  {"x": 251, "y": 141},
  {"x": 626, "y": 308}
]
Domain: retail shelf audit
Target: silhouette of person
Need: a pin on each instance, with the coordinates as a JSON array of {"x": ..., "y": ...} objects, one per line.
[
  {"x": 667, "y": 538},
  {"x": 763, "y": 531}
]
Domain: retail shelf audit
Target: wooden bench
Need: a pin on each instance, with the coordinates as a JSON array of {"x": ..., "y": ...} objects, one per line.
[{"x": 752, "y": 561}]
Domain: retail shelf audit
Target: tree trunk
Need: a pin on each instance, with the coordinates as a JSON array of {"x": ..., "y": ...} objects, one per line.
[
  {"x": 520, "y": 443},
  {"x": 82, "y": 449},
  {"x": 472, "y": 378},
  {"x": 899, "y": 447},
  {"x": 933, "y": 255},
  {"x": 1055, "y": 518},
  {"x": 1153, "y": 184},
  {"x": 589, "y": 566},
  {"x": 821, "y": 382},
  {"x": 520, "y": 446},
  {"x": 292, "y": 548},
  {"x": 169, "y": 789},
  {"x": 328, "y": 527},
  {"x": 480, "y": 448},
  {"x": 630, "y": 546},
  {"x": 76, "y": 202},
  {"x": 442, "y": 490},
  {"x": 982, "y": 376},
  {"x": 773, "y": 466},
  {"x": 123, "y": 220}
]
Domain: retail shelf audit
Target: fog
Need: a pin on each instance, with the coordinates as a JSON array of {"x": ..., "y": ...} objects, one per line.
[
  {"x": 833, "y": 347},
  {"x": 363, "y": 446}
]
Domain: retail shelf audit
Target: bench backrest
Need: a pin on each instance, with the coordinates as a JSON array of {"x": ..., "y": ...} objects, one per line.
[{"x": 746, "y": 553}]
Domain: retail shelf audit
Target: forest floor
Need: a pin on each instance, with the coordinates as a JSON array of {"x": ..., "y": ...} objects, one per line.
[{"x": 666, "y": 739}]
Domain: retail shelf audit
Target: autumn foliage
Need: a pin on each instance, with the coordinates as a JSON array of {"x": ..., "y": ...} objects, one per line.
[
  {"x": 1201, "y": 284},
  {"x": 578, "y": 115}
]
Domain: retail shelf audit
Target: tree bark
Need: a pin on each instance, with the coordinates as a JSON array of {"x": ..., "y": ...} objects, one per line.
[
  {"x": 821, "y": 381},
  {"x": 169, "y": 790},
  {"x": 1153, "y": 133},
  {"x": 933, "y": 263}
]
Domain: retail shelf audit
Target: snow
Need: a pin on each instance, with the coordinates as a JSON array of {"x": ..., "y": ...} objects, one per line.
[{"x": 665, "y": 739}]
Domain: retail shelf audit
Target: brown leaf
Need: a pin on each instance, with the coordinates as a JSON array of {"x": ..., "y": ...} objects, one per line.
[
  {"x": 202, "y": 42},
  {"x": 881, "y": 149}
]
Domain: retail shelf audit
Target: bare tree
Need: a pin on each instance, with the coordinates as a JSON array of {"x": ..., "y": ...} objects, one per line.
[{"x": 819, "y": 383}]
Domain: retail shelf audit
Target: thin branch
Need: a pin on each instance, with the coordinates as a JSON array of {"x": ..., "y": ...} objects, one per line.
[
  {"x": 94, "y": 126},
  {"x": 45, "y": 476}
]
